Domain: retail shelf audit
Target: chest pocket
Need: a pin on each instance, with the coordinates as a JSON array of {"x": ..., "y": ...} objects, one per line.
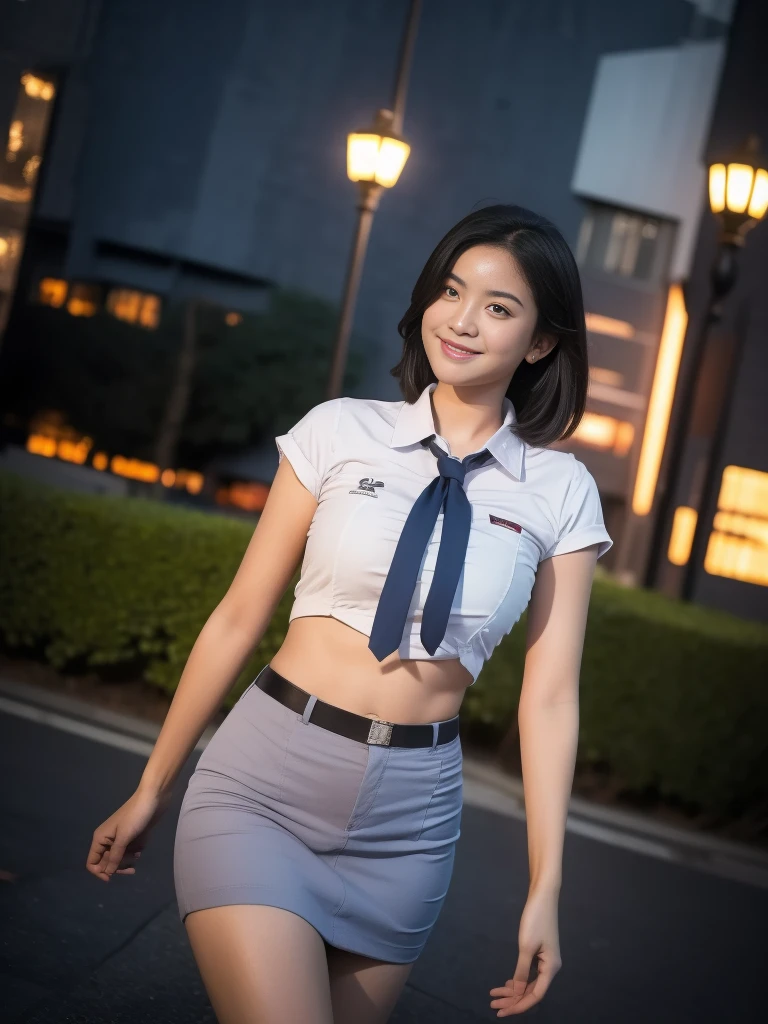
[{"x": 489, "y": 565}]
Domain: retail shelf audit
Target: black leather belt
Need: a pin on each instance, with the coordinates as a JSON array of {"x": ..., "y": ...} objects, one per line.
[{"x": 347, "y": 723}]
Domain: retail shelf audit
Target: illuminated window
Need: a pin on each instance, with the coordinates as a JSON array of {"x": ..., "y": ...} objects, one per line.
[
  {"x": 134, "y": 307},
  {"x": 605, "y": 433},
  {"x": 625, "y": 243},
  {"x": 10, "y": 251},
  {"x": 15, "y": 141},
  {"x": 611, "y": 378},
  {"x": 51, "y": 435},
  {"x": 598, "y": 324},
  {"x": 38, "y": 88},
  {"x": 52, "y": 292},
  {"x": 251, "y": 497},
  {"x": 24, "y": 146},
  {"x": 134, "y": 469},
  {"x": 681, "y": 538},
  {"x": 187, "y": 478},
  {"x": 233, "y": 319},
  {"x": 738, "y": 543},
  {"x": 83, "y": 299}
]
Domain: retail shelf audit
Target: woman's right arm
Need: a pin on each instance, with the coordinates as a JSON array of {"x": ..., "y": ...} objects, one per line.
[{"x": 222, "y": 649}]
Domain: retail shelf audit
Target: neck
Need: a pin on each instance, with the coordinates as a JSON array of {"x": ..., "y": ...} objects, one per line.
[{"x": 467, "y": 416}]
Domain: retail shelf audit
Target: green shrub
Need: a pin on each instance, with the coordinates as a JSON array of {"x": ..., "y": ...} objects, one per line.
[
  {"x": 105, "y": 581},
  {"x": 674, "y": 697}
]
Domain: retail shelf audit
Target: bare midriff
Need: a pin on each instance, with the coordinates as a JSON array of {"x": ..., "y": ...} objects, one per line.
[{"x": 327, "y": 657}]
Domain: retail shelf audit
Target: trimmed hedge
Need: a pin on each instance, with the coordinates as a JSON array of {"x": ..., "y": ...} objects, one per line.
[
  {"x": 674, "y": 696},
  {"x": 102, "y": 581}
]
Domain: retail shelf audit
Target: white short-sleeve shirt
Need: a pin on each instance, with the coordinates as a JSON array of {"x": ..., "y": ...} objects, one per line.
[{"x": 363, "y": 461}]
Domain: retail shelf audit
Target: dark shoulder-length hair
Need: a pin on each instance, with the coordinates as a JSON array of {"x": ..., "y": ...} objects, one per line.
[{"x": 549, "y": 396}]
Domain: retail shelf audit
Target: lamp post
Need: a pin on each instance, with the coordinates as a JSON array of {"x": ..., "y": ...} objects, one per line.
[
  {"x": 375, "y": 158},
  {"x": 738, "y": 196}
]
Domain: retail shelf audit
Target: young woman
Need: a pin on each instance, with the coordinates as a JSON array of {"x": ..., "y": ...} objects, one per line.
[{"x": 316, "y": 837}]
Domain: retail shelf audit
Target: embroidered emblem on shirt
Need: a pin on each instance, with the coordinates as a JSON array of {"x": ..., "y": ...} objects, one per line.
[
  {"x": 506, "y": 522},
  {"x": 368, "y": 486}
]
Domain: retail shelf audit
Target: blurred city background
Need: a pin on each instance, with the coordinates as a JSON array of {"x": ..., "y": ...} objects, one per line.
[{"x": 211, "y": 219}]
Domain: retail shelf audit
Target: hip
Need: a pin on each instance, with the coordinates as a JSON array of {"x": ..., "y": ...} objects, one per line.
[{"x": 331, "y": 791}]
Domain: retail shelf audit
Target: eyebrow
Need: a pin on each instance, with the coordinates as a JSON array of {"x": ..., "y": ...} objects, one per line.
[{"x": 502, "y": 295}]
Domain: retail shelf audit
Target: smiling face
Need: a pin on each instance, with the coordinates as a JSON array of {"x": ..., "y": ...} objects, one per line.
[{"x": 486, "y": 307}]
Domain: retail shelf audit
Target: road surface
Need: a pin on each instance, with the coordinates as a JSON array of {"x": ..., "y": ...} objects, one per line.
[{"x": 644, "y": 939}]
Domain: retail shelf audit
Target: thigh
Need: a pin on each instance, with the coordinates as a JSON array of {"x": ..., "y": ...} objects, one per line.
[
  {"x": 364, "y": 991},
  {"x": 261, "y": 965}
]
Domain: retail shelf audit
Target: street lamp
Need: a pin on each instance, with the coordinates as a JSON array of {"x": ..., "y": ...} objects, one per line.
[
  {"x": 375, "y": 158},
  {"x": 738, "y": 196}
]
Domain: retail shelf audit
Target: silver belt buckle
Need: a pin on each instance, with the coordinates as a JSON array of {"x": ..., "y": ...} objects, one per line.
[{"x": 380, "y": 733}]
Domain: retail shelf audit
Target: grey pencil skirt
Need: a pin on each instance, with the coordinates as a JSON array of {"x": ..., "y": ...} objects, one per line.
[{"x": 356, "y": 838}]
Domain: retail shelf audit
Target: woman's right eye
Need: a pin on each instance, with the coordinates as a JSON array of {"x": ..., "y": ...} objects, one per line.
[{"x": 449, "y": 288}]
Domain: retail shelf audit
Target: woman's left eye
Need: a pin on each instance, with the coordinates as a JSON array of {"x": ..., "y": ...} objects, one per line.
[{"x": 496, "y": 308}]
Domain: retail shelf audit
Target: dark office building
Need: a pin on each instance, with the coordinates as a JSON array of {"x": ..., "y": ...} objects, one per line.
[{"x": 199, "y": 148}]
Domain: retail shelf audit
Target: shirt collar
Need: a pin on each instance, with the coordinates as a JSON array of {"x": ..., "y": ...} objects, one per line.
[{"x": 415, "y": 422}]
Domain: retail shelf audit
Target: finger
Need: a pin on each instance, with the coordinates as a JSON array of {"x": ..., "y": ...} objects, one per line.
[
  {"x": 115, "y": 858},
  {"x": 516, "y": 987},
  {"x": 100, "y": 844},
  {"x": 95, "y": 860},
  {"x": 507, "y": 999},
  {"x": 128, "y": 861},
  {"x": 536, "y": 990},
  {"x": 522, "y": 972}
]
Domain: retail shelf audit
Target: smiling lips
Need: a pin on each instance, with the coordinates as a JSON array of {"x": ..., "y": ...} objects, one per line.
[{"x": 455, "y": 351}]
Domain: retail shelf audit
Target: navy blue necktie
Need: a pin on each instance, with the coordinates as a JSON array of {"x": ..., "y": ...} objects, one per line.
[{"x": 392, "y": 611}]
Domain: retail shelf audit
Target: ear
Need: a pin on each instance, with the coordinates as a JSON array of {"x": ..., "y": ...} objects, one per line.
[{"x": 541, "y": 346}]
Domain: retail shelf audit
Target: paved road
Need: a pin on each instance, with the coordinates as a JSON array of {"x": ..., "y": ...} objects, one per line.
[{"x": 642, "y": 940}]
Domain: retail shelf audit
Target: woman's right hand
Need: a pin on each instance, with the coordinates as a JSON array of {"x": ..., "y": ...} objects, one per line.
[{"x": 118, "y": 842}]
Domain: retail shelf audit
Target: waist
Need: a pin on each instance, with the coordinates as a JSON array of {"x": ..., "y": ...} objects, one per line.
[{"x": 331, "y": 659}]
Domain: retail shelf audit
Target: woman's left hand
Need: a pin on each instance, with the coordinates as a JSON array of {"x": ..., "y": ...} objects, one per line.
[{"x": 537, "y": 938}]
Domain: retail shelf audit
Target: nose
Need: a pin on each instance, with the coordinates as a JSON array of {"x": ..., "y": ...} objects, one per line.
[{"x": 463, "y": 321}]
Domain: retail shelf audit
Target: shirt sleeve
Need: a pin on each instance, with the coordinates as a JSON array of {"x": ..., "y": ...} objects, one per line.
[
  {"x": 582, "y": 522},
  {"x": 308, "y": 445}
]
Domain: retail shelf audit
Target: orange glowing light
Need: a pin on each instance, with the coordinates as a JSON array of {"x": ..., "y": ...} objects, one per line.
[
  {"x": 135, "y": 469},
  {"x": 681, "y": 538},
  {"x": 251, "y": 497},
  {"x": 83, "y": 300},
  {"x": 660, "y": 402},
  {"x": 134, "y": 307},
  {"x": 39, "y": 444},
  {"x": 605, "y": 433},
  {"x": 52, "y": 292},
  {"x": 599, "y": 324},
  {"x": 738, "y": 544},
  {"x": 74, "y": 451}
]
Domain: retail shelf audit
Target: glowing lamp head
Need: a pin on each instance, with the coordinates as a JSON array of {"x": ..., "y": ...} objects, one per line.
[
  {"x": 376, "y": 155},
  {"x": 738, "y": 189}
]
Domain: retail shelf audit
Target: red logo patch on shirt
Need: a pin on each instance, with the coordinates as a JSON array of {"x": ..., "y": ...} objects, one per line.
[{"x": 497, "y": 521}]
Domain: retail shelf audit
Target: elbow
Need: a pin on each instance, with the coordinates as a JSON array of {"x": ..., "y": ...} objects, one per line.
[
  {"x": 547, "y": 696},
  {"x": 233, "y": 624}
]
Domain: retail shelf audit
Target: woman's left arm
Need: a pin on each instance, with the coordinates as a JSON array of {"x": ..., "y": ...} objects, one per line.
[{"x": 548, "y": 718}]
